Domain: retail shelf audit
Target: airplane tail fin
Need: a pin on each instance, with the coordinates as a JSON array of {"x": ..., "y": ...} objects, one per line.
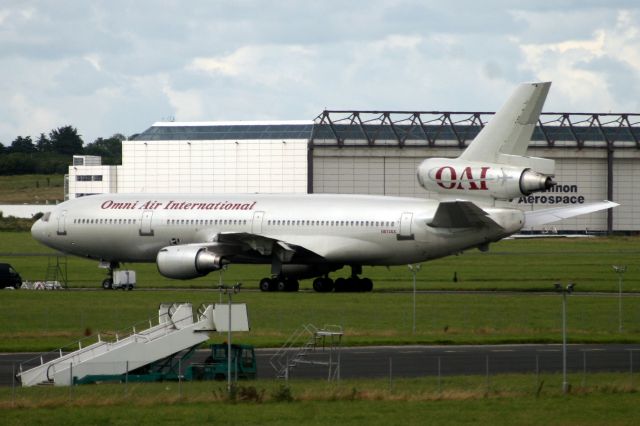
[{"x": 504, "y": 140}]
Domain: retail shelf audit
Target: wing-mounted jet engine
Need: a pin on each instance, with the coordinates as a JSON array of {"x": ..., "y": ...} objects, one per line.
[
  {"x": 494, "y": 165},
  {"x": 188, "y": 261}
]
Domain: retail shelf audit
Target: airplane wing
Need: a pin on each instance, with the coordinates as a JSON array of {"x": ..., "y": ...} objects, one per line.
[
  {"x": 265, "y": 246},
  {"x": 542, "y": 217},
  {"x": 461, "y": 214}
]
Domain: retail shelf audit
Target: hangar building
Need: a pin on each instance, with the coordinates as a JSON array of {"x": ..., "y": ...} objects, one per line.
[{"x": 371, "y": 152}]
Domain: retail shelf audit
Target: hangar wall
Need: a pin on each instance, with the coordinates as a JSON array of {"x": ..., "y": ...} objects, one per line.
[
  {"x": 365, "y": 155},
  {"x": 221, "y": 166},
  {"x": 581, "y": 177}
]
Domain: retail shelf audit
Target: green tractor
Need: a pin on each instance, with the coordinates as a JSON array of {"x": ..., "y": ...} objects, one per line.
[{"x": 215, "y": 366}]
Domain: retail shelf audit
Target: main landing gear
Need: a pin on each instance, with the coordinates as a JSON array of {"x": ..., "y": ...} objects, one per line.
[
  {"x": 279, "y": 283},
  {"x": 341, "y": 285},
  {"x": 322, "y": 284}
]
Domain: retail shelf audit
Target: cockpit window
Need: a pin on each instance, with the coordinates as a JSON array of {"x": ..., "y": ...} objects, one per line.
[{"x": 46, "y": 216}]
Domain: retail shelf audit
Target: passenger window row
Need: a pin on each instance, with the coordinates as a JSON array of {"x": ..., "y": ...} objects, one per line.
[
  {"x": 350, "y": 223},
  {"x": 83, "y": 221},
  {"x": 270, "y": 222},
  {"x": 206, "y": 222}
]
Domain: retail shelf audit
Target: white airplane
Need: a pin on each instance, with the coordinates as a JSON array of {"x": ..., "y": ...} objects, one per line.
[{"x": 307, "y": 236}]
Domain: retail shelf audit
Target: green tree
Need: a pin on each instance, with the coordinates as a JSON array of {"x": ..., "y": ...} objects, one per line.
[
  {"x": 17, "y": 163},
  {"x": 43, "y": 144},
  {"x": 66, "y": 140},
  {"x": 23, "y": 145},
  {"x": 109, "y": 149}
]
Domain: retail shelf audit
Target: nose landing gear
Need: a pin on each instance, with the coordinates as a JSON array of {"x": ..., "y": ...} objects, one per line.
[
  {"x": 107, "y": 283},
  {"x": 125, "y": 280}
]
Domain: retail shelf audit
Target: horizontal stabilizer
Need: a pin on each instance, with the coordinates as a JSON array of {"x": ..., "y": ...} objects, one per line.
[
  {"x": 461, "y": 214},
  {"x": 542, "y": 217}
]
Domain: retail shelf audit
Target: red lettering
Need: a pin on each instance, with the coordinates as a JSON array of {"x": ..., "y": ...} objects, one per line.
[
  {"x": 469, "y": 175},
  {"x": 107, "y": 204},
  {"x": 473, "y": 185},
  {"x": 452, "y": 177},
  {"x": 483, "y": 178}
]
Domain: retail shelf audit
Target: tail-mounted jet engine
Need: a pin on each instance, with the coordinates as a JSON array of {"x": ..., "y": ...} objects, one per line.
[
  {"x": 499, "y": 181},
  {"x": 188, "y": 261}
]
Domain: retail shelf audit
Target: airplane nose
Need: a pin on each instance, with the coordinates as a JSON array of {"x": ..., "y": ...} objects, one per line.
[{"x": 36, "y": 230}]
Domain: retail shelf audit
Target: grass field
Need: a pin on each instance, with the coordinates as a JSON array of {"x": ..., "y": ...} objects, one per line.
[
  {"x": 47, "y": 320},
  {"x": 514, "y": 399},
  {"x": 520, "y": 265},
  {"x": 31, "y": 189},
  {"x": 38, "y": 321}
]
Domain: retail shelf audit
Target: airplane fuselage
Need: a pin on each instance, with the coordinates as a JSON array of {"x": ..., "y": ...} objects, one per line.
[
  {"x": 310, "y": 236},
  {"x": 341, "y": 229}
]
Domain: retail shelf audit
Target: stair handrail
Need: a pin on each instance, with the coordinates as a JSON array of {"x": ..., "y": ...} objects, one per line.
[
  {"x": 201, "y": 310},
  {"x": 295, "y": 337},
  {"x": 332, "y": 328},
  {"x": 60, "y": 352},
  {"x": 78, "y": 344}
]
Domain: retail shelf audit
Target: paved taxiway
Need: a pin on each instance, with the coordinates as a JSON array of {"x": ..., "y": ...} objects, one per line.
[{"x": 416, "y": 361}]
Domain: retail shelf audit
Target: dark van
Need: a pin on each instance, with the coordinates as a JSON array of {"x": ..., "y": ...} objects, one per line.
[{"x": 9, "y": 277}]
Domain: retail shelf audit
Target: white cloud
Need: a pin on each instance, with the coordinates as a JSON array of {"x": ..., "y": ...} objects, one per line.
[
  {"x": 580, "y": 84},
  {"x": 95, "y": 60},
  {"x": 272, "y": 65},
  {"x": 103, "y": 69},
  {"x": 27, "y": 115},
  {"x": 188, "y": 104}
]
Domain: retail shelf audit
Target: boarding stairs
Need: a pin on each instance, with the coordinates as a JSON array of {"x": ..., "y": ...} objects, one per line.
[
  {"x": 56, "y": 272},
  {"x": 176, "y": 329},
  {"x": 309, "y": 345}
]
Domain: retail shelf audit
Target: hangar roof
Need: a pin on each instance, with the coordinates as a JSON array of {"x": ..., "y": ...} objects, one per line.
[{"x": 346, "y": 128}]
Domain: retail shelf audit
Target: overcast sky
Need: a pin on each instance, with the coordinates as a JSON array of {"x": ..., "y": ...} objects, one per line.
[{"x": 118, "y": 66}]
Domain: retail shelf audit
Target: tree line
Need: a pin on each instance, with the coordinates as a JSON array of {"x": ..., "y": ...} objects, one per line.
[{"x": 52, "y": 153}]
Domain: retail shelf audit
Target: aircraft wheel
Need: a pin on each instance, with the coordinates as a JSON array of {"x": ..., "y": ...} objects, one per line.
[
  {"x": 327, "y": 285},
  {"x": 353, "y": 284},
  {"x": 265, "y": 284},
  {"x": 367, "y": 284},
  {"x": 280, "y": 284},
  {"x": 107, "y": 284},
  {"x": 317, "y": 284},
  {"x": 292, "y": 285},
  {"x": 341, "y": 285}
]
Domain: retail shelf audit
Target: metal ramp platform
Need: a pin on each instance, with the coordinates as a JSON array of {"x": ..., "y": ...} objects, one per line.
[
  {"x": 311, "y": 346},
  {"x": 177, "y": 329}
]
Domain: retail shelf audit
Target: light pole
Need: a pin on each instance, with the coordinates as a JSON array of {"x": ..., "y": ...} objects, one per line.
[
  {"x": 414, "y": 270},
  {"x": 620, "y": 270},
  {"x": 564, "y": 290},
  {"x": 229, "y": 291}
]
